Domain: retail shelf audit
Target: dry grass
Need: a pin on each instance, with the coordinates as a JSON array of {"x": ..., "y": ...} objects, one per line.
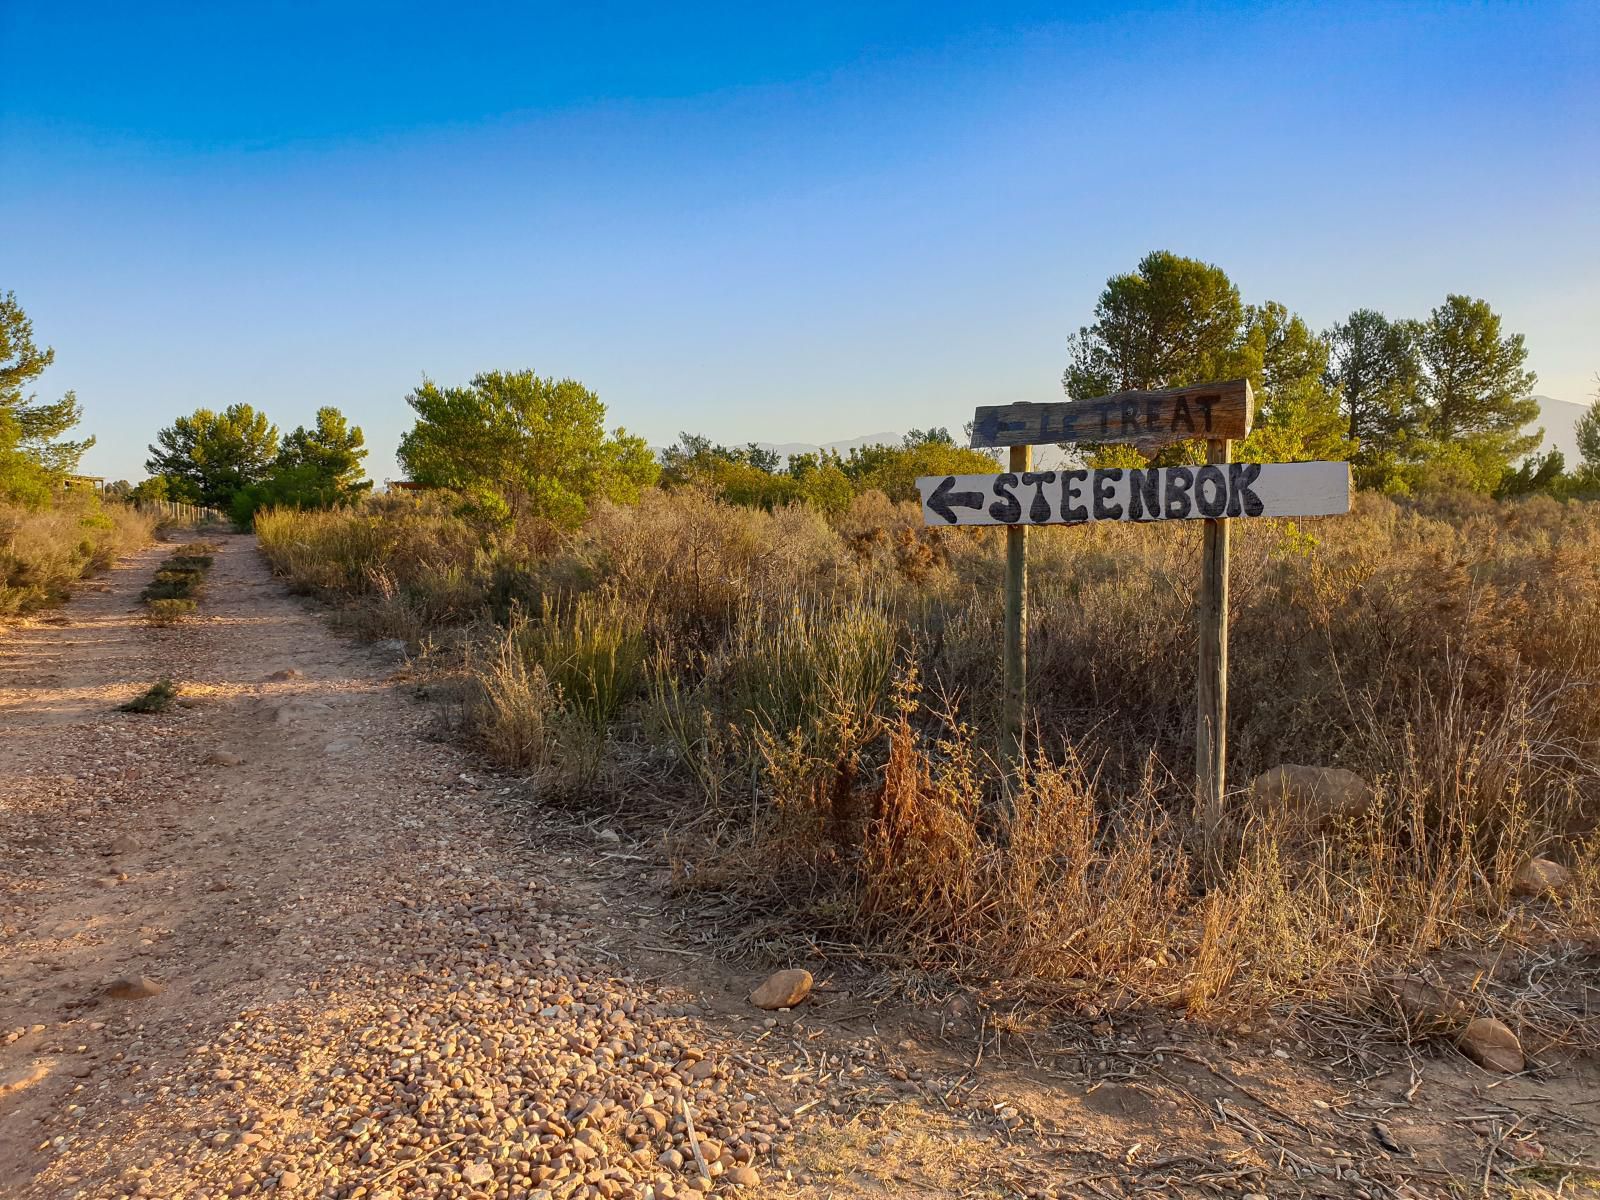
[
  {"x": 814, "y": 703},
  {"x": 45, "y": 552}
]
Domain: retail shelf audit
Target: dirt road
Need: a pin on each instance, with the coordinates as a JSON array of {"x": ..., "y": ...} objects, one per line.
[{"x": 284, "y": 937}]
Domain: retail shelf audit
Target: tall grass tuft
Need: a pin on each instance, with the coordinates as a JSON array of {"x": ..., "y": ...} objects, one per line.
[{"x": 44, "y": 553}]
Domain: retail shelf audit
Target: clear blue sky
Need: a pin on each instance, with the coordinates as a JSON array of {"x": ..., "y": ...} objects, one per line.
[{"x": 756, "y": 222}]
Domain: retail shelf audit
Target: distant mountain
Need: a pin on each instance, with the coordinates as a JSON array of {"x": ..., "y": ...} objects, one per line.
[
  {"x": 790, "y": 449},
  {"x": 1559, "y": 418}
]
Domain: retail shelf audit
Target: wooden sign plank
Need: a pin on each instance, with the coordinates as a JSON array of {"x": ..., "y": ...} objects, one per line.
[
  {"x": 1076, "y": 497},
  {"x": 1148, "y": 419}
]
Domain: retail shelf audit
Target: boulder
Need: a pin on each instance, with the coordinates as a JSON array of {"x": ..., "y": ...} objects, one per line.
[
  {"x": 782, "y": 989},
  {"x": 1321, "y": 794},
  {"x": 1541, "y": 877},
  {"x": 1492, "y": 1045}
]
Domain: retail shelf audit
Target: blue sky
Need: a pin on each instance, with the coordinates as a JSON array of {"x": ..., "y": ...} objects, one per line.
[{"x": 758, "y": 222}]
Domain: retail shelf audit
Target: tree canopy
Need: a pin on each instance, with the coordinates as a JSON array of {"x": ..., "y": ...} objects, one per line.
[
  {"x": 34, "y": 455},
  {"x": 208, "y": 457},
  {"x": 523, "y": 446},
  {"x": 1176, "y": 321},
  {"x": 315, "y": 468}
]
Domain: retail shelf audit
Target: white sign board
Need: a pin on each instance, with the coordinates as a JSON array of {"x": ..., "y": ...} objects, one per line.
[{"x": 1076, "y": 497}]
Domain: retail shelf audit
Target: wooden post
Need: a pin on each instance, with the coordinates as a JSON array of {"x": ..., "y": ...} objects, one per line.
[
  {"x": 1016, "y": 651},
  {"x": 1211, "y": 717}
]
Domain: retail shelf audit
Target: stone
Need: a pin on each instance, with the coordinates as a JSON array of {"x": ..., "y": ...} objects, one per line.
[
  {"x": 1541, "y": 877},
  {"x": 124, "y": 844},
  {"x": 392, "y": 647},
  {"x": 477, "y": 1173},
  {"x": 133, "y": 987},
  {"x": 223, "y": 758},
  {"x": 280, "y": 676},
  {"x": 1492, "y": 1045},
  {"x": 1428, "y": 1006},
  {"x": 742, "y": 1177},
  {"x": 782, "y": 989},
  {"x": 289, "y": 1179},
  {"x": 19, "y": 1078},
  {"x": 1322, "y": 795}
]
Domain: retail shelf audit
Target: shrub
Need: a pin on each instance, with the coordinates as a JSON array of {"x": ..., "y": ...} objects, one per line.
[
  {"x": 44, "y": 552},
  {"x": 156, "y": 698}
]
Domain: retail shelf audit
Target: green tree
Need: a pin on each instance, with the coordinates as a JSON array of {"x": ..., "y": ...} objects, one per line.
[
  {"x": 315, "y": 468},
  {"x": 523, "y": 446},
  {"x": 695, "y": 458},
  {"x": 209, "y": 456},
  {"x": 1177, "y": 321},
  {"x": 894, "y": 470},
  {"x": 1534, "y": 474},
  {"x": 1476, "y": 397},
  {"x": 33, "y": 456},
  {"x": 331, "y": 453},
  {"x": 1172, "y": 322},
  {"x": 1588, "y": 431},
  {"x": 1297, "y": 412},
  {"x": 1377, "y": 371}
]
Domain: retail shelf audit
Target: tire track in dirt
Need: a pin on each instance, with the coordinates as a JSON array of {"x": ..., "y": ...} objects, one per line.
[{"x": 315, "y": 888}]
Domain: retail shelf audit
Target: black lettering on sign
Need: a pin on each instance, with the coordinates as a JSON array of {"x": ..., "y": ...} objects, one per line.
[
  {"x": 1130, "y": 417},
  {"x": 1069, "y": 493},
  {"x": 1180, "y": 411},
  {"x": 1103, "y": 490},
  {"x": 1144, "y": 495},
  {"x": 1039, "y": 510},
  {"x": 1216, "y": 503},
  {"x": 1205, "y": 403},
  {"x": 1178, "y": 500},
  {"x": 1007, "y": 509},
  {"x": 1241, "y": 500}
]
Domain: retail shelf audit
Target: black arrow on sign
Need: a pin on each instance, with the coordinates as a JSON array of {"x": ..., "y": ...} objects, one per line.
[{"x": 945, "y": 502}]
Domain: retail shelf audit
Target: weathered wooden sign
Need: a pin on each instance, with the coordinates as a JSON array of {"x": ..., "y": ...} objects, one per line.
[
  {"x": 1213, "y": 411},
  {"x": 1077, "y": 497}
]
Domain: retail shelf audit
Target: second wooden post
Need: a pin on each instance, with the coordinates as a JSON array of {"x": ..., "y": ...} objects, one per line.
[
  {"x": 1014, "y": 716},
  {"x": 1211, "y": 717}
]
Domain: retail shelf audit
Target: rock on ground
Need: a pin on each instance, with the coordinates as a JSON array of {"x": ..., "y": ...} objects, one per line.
[
  {"x": 1492, "y": 1045},
  {"x": 782, "y": 989},
  {"x": 1319, "y": 794}
]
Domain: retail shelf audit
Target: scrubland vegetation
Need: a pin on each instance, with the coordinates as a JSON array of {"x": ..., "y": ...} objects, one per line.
[
  {"x": 813, "y": 705},
  {"x": 780, "y": 664},
  {"x": 45, "y": 550}
]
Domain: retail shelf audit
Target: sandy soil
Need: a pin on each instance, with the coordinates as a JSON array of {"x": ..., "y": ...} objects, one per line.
[{"x": 286, "y": 937}]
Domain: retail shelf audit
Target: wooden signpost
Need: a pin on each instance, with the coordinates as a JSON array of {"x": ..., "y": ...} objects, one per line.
[
  {"x": 1215, "y": 411},
  {"x": 1216, "y": 492},
  {"x": 1082, "y": 496}
]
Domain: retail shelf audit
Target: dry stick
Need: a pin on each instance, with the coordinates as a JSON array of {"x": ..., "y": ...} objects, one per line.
[
  {"x": 694, "y": 1139},
  {"x": 421, "y": 1158}
]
